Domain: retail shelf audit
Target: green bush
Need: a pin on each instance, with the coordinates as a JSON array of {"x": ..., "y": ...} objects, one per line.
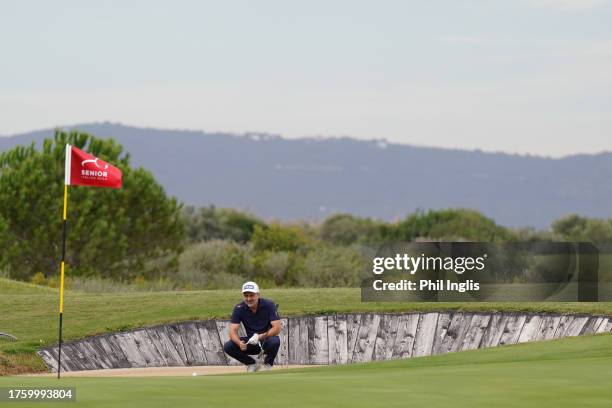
[
  {"x": 110, "y": 231},
  {"x": 273, "y": 267},
  {"x": 208, "y": 223},
  {"x": 449, "y": 224},
  {"x": 329, "y": 266},
  {"x": 576, "y": 228},
  {"x": 346, "y": 229},
  {"x": 217, "y": 256},
  {"x": 277, "y": 237}
]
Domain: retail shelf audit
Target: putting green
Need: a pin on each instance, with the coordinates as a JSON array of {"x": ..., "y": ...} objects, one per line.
[{"x": 572, "y": 372}]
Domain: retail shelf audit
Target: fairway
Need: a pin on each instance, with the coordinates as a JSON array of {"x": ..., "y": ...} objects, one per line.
[{"x": 572, "y": 372}]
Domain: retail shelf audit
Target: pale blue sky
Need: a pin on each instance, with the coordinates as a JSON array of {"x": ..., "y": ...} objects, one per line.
[{"x": 528, "y": 76}]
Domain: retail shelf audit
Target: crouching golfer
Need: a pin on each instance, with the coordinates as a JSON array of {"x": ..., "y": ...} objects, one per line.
[{"x": 262, "y": 325}]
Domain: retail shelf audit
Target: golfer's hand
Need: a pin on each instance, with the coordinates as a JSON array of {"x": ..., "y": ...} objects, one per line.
[
  {"x": 254, "y": 339},
  {"x": 242, "y": 346}
]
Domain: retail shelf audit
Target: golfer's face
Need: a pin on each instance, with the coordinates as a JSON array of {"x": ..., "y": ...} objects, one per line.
[{"x": 250, "y": 298}]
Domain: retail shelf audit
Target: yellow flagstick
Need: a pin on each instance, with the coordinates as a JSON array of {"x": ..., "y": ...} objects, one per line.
[
  {"x": 63, "y": 262},
  {"x": 62, "y": 268},
  {"x": 61, "y": 309},
  {"x": 114, "y": 182}
]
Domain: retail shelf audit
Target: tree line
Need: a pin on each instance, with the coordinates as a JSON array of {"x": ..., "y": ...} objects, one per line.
[{"x": 139, "y": 232}]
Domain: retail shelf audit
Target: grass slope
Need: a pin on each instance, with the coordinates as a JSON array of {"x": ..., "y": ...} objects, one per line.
[
  {"x": 30, "y": 312},
  {"x": 13, "y": 287},
  {"x": 573, "y": 372}
]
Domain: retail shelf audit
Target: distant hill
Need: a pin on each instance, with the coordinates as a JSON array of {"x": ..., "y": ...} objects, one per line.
[{"x": 312, "y": 178}]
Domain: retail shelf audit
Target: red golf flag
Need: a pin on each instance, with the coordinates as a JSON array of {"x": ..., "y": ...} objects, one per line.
[{"x": 83, "y": 169}]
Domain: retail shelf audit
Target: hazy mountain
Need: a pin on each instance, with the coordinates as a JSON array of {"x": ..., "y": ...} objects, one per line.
[{"x": 313, "y": 178}]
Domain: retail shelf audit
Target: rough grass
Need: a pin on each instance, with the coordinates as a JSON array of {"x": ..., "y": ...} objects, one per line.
[
  {"x": 573, "y": 372},
  {"x": 12, "y": 364},
  {"x": 13, "y": 287},
  {"x": 31, "y": 312}
]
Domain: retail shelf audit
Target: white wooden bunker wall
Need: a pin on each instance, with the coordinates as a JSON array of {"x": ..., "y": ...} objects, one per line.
[{"x": 330, "y": 339}]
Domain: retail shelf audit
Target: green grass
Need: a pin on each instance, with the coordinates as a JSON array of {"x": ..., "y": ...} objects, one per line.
[
  {"x": 31, "y": 312},
  {"x": 573, "y": 372},
  {"x": 13, "y": 287}
]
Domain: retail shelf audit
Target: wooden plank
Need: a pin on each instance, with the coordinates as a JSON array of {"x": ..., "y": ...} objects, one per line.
[
  {"x": 211, "y": 343},
  {"x": 459, "y": 325},
  {"x": 530, "y": 329},
  {"x": 570, "y": 326},
  {"x": 80, "y": 355},
  {"x": 495, "y": 330},
  {"x": 302, "y": 346},
  {"x": 353, "y": 322},
  {"x": 575, "y": 326},
  {"x": 337, "y": 337},
  {"x": 603, "y": 327},
  {"x": 66, "y": 362},
  {"x": 462, "y": 330},
  {"x": 591, "y": 325},
  {"x": 126, "y": 341},
  {"x": 608, "y": 326},
  {"x": 147, "y": 349},
  {"x": 293, "y": 340},
  {"x": 318, "y": 349},
  {"x": 71, "y": 359},
  {"x": 173, "y": 334},
  {"x": 547, "y": 328},
  {"x": 96, "y": 353},
  {"x": 444, "y": 321},
  {"x": 112, "y": 349},
  {"x": 406, "y": 332},
  {"x": 92, "y": 360},
  {"x": 48, "y": 358},
  {"x": 298, "y": 340},
  {"x": 562, "y": 327},
  {"x": 513, "y": 328},
  {"x": 476, "y": 331},
  {"x": 366, "y": 338},
  {"x": 167, "y": 350},
  {"x": 385, "y": 338},
  {"x": 223, "y": 330},
  {"x": 426, "y": 332},
  {"x": 194, "y": 349},
  {"x": 283, "y": 351}
]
